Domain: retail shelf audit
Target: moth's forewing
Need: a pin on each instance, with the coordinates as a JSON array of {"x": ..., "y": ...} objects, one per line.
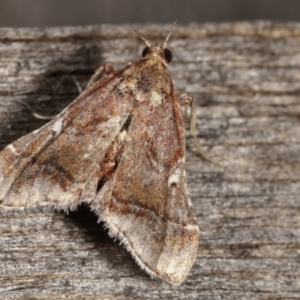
[
  {"x": 145, "y": 201},
  {"x": 60, "y": 163}
]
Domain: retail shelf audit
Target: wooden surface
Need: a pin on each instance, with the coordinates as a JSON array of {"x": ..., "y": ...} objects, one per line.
[{"x": 245, "y": 79}]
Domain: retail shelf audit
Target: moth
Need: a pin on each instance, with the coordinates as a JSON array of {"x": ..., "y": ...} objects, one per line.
[{"x": 120, "y": 148}]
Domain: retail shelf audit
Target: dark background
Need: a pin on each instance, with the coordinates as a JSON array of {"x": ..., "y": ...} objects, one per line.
[{"x": 83, "y": 12}]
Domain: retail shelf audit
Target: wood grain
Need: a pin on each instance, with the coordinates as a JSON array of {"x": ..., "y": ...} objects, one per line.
[{"x": 245, "y": 81}]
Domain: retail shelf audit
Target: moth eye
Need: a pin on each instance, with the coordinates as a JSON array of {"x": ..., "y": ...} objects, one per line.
[
  {"x": 145, "y": 51},
  {"x": 168, "y": 55}
]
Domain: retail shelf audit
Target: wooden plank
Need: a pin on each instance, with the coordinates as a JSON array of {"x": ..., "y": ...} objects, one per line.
[{"x": 244, "y": 78}]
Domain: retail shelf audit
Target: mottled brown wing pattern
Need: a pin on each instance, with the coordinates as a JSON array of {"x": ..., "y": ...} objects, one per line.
[
  {"x": 120, "y": 147},
  {"x": 60, "y": 162},
  {"x": 145, "y": 201}
]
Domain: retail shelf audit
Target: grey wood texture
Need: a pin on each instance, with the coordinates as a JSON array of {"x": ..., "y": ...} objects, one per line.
[{"x": 245, "y": 80}]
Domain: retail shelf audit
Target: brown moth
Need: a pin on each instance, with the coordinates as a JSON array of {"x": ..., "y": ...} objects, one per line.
[{"x": 120, "y": 148}]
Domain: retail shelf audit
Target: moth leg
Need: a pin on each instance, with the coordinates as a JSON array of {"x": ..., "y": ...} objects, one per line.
[
  {"x": 35, "y": 114},
  {"x": 106, "y": 69},
  {"x": 43, "y": 117},
  {"x": 48, "y": 118},
  {"x": 185, "y": 99},
  {"x": 103, "y": 70}
]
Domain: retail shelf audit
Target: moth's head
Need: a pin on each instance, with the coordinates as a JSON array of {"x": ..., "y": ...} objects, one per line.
[{"x": 157, "y": 50}]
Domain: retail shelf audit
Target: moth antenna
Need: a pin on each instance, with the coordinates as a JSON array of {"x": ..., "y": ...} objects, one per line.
[
  {"x": 167, "y": 38},
  {"x": 148, "y": 44}
]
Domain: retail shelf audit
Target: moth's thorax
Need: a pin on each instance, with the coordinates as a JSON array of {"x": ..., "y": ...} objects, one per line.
[{"x": 148, "y": 80}]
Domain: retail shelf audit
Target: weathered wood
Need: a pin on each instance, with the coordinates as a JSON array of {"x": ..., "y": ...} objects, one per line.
[{"x": 245, "y": 81}]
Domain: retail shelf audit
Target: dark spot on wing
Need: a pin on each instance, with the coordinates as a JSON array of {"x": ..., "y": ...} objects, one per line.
[{"x": 127, "y": 123}]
